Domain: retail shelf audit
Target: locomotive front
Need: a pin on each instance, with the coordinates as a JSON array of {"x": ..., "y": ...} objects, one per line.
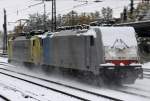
[{"x": 121, "y": 54}]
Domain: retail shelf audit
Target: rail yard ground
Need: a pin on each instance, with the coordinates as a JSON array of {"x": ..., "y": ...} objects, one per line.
[{"x": 16, "y": 86}]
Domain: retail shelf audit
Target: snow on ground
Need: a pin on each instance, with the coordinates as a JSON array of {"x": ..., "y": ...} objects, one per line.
[
  {"x": 2, "y": 59},
  {"x": 59, "y": 87},
  {"x": 17, "y": 90},
  {"x": 144, "y": 86},
  {"x": 2, "y": 99},
  {"x": 140, "y": 84},
  {"x": 146, "y": 65}
]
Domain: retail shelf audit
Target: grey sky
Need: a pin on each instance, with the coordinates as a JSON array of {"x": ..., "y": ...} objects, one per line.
[{"x": 63, "y": 6}]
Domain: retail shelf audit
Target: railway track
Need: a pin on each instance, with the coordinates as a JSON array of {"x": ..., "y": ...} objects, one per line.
[
  {"x": 147, "y": 76},
  {"x": 146, "y": 70},
  {"x": 3, "y": 98},
  {"x": 25, "y": 94},
  {"x": 123, "y": 90},
  {"x": 146, "y": 73},
  {"x": 73, "y": 95},
  {"x": 134, "y": 88}
]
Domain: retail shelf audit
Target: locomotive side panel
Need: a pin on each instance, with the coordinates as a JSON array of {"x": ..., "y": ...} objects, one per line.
[
  {"x": 83, "y": 51},
  {"x": 97, "y": 51},
  {"x": 22, "y": 50},
  {"x": 36, "y": 50},
  {"x": 46, "y": 54},
  {"x": 67, "y": 52}
]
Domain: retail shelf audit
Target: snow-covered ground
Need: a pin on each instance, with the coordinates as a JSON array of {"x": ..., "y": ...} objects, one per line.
[
  {"x": 3, "y": 59},
  {"x": 146, "y": 65},
  {"x": 17, "y": 90},
  {"x": 139, "y": 91}
]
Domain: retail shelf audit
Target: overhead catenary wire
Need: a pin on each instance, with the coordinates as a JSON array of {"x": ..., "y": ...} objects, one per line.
[
  {"x": 24, "y": 9},
  {"x": 59, "y": 11},
  {"x": 71, "y": 8},
  {"x": 76, "y": 6},
  {"x": 30, "y": 6}
]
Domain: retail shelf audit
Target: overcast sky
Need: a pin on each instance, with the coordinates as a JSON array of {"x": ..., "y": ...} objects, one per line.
[{"x": 17, "y": 9}]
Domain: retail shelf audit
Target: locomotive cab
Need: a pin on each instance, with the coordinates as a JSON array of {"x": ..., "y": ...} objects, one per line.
[{"x": 121, "y": 59}]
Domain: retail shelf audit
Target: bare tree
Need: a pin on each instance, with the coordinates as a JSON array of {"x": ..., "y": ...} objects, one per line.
[
  {"x": 107, "y": 13},
  {"x": 38, "y": 22}
]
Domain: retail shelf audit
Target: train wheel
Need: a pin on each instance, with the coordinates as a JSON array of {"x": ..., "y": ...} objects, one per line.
[
  {"x": 47, "y": 69},
  {"x": 28, "y": 65}
]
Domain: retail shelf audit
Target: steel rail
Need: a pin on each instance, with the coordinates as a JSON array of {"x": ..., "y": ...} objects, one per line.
[
  {"x": 50, "y": 81},
  {"x": 5, "y": 98}
]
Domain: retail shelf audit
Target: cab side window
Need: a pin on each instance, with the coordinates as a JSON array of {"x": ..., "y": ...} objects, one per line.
[{"x": 33, "y": 42}]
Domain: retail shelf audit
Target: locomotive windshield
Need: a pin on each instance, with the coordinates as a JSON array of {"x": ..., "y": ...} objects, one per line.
[{"x": 119, "y": 43}]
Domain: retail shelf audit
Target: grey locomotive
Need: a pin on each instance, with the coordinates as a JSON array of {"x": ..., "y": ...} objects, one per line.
[{"x": 110, "y": 53}]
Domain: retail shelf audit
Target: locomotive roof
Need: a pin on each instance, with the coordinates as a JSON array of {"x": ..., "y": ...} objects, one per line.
[
  {"x": 84, "y": 32},
  {"x": 109, "y": 34},
  {"x": 20, "y": 38}
]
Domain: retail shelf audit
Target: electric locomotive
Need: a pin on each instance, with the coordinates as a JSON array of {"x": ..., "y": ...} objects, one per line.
[{"x": 107, "y": 52}]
